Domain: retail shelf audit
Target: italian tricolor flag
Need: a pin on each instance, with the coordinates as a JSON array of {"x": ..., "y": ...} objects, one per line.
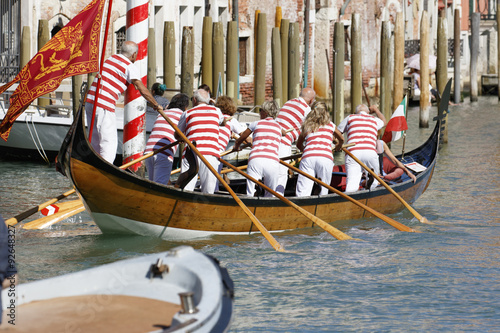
[{"x": 397, "y": 124}]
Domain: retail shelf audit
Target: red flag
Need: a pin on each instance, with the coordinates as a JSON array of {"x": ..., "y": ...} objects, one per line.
[{"x": 72, "y": 51}]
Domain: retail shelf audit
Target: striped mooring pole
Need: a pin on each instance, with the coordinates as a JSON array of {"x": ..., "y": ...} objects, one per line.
[{"x": 134, "y": 120}]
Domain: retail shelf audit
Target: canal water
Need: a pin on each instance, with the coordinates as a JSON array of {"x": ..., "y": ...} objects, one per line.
[{"x": 446, "y": 278}]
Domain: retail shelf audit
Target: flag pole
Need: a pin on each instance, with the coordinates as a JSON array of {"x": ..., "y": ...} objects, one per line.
[
  {"x": 98, "y": 87},
  {"x": 404, "y": 132}
]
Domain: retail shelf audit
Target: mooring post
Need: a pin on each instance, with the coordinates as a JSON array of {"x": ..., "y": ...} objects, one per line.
[
  {"x": 457, "y": 95},
  {"x": 260, "y": 65},
  {"x": 278, "y": 18},
  {"x": 276, "y": 59},
  {"x": 284, "y": 31},
  {"x": 218, "y": 58},
  {"x": 151, "y": 58},
  {"x": 442, "y": 63},
  {"x": 385, "y": 81},
  {"x": 43, "y": 38},
  {"x": 187, "y": 61},
  {"x": 76, "y": 84},
  {"x": 474, "y": 53},
  {"x": 356, "y": 68},
  {"x": 293, "y": 61},
  {"x": 169, "y": 54},
  {"x": 232, "y": 60},
  {"x": 134, "y": 136},
  {"x": 399, "y": 58},
  {"x": 424, "y": 71},
  {"x": 338, "y": 72},
  {"x": 498, "y": 48},
  {"x": 25, "y": 46},
  {"x": 206, "y": 53}
]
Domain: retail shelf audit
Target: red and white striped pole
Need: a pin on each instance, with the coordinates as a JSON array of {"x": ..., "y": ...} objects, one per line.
[{"x": 134, "y": 127}]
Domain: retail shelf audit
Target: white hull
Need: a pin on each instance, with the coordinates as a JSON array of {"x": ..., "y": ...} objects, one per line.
[
  {"x": 116, "y": 225},
  {"x": 188, "y": 271}
]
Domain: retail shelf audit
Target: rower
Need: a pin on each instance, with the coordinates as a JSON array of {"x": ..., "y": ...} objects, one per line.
[
  {"x": 316, "y": 141},
  {"x": 263, "y": 161}
]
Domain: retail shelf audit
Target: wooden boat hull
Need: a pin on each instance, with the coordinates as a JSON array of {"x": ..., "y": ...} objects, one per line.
[
  {"x": 129, "y": 281},
  {"x": 120, "y": 202}
]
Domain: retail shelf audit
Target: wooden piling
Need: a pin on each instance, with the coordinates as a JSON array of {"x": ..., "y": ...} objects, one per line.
[
  {"x": 279, "y": 17},
  {"x": 498, "y": 50},
  {"x": 457, "y": 95},
  {"x": 284, "y": 32},
  {"x": 442, "y": 52},
  {"x": 169, "y": 54},
  {"x": 232, "y": 59},
  {"x": 356, "y": 68},
  {"x": 187, "y": 61},
  {"x": 260, "y": 65},
  {"x": 293, "y": 61},
  {"x": 442, "y": 64},
  {"x": 385, "y": 81},
  {"x": 218, "y": 58},
  {"x": 276, "y": 66},
  {"x": 206, "y": 53},
  {"x": 25, "y": 46},
  {"x": 256, "y": 22},
  {"x": 424, "y": 71},
  {"x": 474, "y": 51},
  {"x": 76, "y": 84},
  {"x": 151, "y": 58},
  {"x": 338, "y": 72},
  {"x": 399, "y": 58},
  {"x": 43, "y": 38}
]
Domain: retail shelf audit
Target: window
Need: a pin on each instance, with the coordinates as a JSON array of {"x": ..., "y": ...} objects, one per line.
[
  {"x": 120, "y": 38},
  {"x": 243, "y": 41},
  {"x": 10, "y": 39}
]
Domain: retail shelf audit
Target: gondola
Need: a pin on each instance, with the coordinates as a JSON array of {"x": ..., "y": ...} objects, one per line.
[{"x": 121, "y": 202}]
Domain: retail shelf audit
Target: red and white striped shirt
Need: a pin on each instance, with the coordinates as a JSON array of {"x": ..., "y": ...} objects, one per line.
[
  {"x": 117, "y": 71},
  {"x": 362, "y": 130},
  {"x": 201, "y": 124},
  {"x": 266, "y": 139},
  {"x": 319, "y": 143},
  {"x": 163, "y": 134},
  {"x": 292, "y": 115},
  {"x": 232, "y": 126}
]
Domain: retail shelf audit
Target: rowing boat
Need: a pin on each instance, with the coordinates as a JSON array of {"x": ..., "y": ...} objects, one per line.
[
  {"x": 181, "y": 290},
  {"x": 121, "y": 202}
]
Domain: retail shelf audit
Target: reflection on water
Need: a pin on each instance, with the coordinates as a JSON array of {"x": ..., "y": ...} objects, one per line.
[{"x": 443, "y": 279}]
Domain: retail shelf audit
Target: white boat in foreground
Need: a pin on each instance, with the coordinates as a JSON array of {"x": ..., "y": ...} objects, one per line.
[{"x": 181, "y": 290}]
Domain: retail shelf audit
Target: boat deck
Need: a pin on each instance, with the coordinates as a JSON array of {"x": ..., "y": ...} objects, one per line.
[{"x": 92, "y": 313}]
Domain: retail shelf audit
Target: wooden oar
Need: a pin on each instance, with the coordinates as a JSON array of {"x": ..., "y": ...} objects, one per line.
[
  {"x": 47, "y": 221},
  {"x": 381, "y": 181},
  {"x": 325, "y": 226},
  {"x": 381, "y": 216},
  {"x": 38, "y": 208},
  {"x": 18, "y": 218},
  {"x": 274, "y": 243}
]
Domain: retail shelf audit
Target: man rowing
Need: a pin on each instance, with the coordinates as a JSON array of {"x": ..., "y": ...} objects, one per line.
[
  {"x": 362, "y": 129},
  {"x": 290, "y": 117}
]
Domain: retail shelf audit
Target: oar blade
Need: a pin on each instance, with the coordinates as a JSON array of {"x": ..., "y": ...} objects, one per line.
[{"x": 47, "y": 221}]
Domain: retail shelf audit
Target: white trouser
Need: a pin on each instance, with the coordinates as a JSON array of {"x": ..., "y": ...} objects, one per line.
[
  {"x": 354, "y": 170},
  {"x": 262, "y": 168},
  {"x": 208, "y": 180},
  {"x": 319, "y": 167},
  {"x": 284, "y": 151},
  {"x": 159, "y": 168},
  {"x": 104, "y": 135}
]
